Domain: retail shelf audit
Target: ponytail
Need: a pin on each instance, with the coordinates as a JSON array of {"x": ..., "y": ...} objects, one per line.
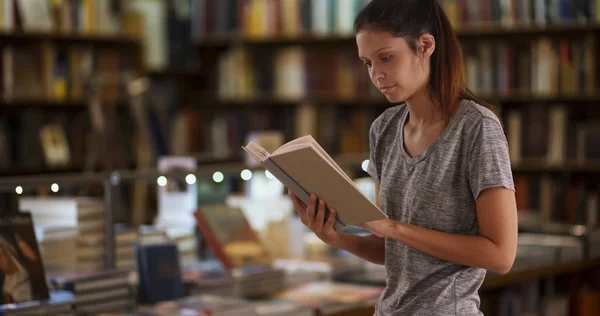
[{"x": 447, "y": 72}]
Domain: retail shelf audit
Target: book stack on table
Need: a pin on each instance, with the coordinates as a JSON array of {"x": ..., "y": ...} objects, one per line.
[
  {"x": 97, "y": 292},
  {"x": 60, "y": 303}
]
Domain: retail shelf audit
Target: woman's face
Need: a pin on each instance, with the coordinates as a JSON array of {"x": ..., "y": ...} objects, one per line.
[{"x": 393, "y": 66}]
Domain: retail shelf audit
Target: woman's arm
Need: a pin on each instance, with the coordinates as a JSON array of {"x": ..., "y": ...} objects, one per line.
[
  {"x": 494, "y": 249},
  {"x": 370, "y": 248}
]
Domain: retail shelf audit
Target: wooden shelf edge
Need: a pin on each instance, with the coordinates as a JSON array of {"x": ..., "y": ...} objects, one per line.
[
  {"x": 474, "y": 30},
  {"x": 569, "y": 166},
  {"x": 344, "y": 160},
  {"x": 91, "y": 38},
  {"x": 362, "y": 100},
  {"x": 520, "y": 276},
  {"x": 50, "y": 104}
]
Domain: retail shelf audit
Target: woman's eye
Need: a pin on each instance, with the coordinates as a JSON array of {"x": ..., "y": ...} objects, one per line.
[
  {"x": 386, "y": 58},
  {"x": 368, "y": 64}
]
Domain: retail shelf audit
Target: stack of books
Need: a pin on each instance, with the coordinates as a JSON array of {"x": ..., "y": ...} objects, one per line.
[
  {"x": 125, "y": 240},
  {"x": 205, "y": 281},
  {"x": 257, "y": 281},
  {"x": 63, "y": 216},
  {"x": 567, "y": 248},
  {"x": 298, "y": 272},
  {"x": 97, "y": 292},
  {"x": 208, "y": 305},
  {"x": 277, "y": 307},
  {"x": 58, "y": 246},
  {"x": 329, "y": 298},
  {"x": 60, "y": 303}
]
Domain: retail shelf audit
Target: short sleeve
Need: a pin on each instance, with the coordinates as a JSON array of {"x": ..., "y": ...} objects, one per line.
[
  {"x": 489, "y": 159},
  {"x": 372, "y": 167}
]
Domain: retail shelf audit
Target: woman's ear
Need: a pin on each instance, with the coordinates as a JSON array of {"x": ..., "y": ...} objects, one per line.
[{"x": 426, "y": 42}]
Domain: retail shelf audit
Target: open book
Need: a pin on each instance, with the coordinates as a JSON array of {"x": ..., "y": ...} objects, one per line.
[{"x": 304, "y": 167}]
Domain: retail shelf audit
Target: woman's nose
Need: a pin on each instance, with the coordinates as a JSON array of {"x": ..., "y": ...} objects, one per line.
[{"x": 377, "y": 73}]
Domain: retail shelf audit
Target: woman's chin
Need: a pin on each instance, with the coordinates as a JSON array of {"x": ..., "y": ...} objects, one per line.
[{"x": 395, "y": 98}]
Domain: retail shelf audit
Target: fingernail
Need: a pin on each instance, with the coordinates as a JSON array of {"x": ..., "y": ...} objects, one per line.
[{"x": 321, "y": 202}]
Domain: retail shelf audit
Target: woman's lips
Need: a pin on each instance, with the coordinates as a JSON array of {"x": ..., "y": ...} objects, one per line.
[{"x": 387, "y": 89}]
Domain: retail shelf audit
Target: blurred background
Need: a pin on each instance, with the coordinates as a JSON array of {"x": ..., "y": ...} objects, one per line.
[{"x": 122, "y": 121}]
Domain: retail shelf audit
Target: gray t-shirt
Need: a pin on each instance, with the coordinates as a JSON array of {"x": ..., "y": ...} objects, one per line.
[{"x": 436, "y": 190}]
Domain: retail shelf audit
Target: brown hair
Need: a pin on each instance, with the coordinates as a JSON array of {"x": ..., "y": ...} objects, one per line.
[{"x": 410, "y": 19}]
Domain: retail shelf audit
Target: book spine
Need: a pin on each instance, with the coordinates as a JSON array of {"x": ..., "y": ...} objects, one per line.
[{"x": 298, "y": 190}]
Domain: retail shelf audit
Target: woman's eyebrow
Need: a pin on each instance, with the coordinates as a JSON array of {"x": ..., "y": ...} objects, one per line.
[{"x": 377, "y": 51}]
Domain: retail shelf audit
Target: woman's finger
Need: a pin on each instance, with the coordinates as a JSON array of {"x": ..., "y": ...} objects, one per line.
[
  {"x": 311, "y": 210},
  {"x": 298, "y": 206},
  {"x": 320, "y": 214},
  {"x": 330, "y": 221}
]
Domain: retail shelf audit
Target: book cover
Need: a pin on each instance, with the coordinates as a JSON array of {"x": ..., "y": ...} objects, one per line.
[
  {"x": 159, "y": 272},
  {"x": 230, "y": 236},
  {"x": 22, "y": 275}
]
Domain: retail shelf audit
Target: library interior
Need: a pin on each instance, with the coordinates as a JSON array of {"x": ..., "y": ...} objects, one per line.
[{"x": 139, "y": 113}]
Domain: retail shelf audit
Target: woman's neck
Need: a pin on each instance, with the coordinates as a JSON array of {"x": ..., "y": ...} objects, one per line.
[{"x": 423, "y": 111}]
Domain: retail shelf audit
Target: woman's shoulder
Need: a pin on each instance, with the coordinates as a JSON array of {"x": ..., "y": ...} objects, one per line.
[
  {"x": 479, "y": 123},
  {"x": 475, "y": 114}
]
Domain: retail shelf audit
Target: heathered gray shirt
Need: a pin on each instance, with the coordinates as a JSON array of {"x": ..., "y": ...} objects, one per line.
[{"x": 435, "y": 190}]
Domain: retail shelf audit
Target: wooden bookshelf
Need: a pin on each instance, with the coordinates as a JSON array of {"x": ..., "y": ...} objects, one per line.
[
  {"x": 476, "y": 31},
  {"x": 31, "y": 171},
  {"x": 41, "y": 104},
  {"x": 66, "y": 39},
  {"x": 14, "y": 106},
  {"x": 493, "y": 281},
  {"x": 368, "y": 101},
  {"x": 567, "y": 167},
  {"x": 555, "y": 29}
]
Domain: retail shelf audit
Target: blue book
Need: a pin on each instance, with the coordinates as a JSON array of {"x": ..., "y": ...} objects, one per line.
[{"x": 159, "y": 272}]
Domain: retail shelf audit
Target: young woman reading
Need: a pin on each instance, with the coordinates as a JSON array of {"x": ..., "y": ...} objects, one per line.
[{"x": 441, "y": 165}]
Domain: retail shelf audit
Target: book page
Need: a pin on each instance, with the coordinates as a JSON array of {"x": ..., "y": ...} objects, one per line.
[
  {"x": 256, "y": 151},
  {"x": 306, "y": 141},
  {"x": 309, "y": 141},
  {"x": 292, "y": 145}
]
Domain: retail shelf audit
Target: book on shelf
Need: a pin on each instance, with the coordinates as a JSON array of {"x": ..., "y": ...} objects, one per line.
[{"x": 304, "y": 167}]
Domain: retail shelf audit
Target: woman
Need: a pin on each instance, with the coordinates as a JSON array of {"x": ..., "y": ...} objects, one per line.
[{"x": 441, "y": 165}]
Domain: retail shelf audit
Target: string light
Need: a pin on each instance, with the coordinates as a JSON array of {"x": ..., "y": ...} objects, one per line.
[
  {"x": 162, "y": 181},
  {"x": 54, "y": 187},
  {"x": 365, "y": 165},
  {"x": 190, "y": 179},
  {"x": 218, "y": 177},
  {"x": 19, "y": 190},
  {"x": 246, "y": 174}
]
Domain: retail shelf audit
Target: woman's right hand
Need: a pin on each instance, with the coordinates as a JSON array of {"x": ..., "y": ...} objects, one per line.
[{"x": 312, "y": 215}]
